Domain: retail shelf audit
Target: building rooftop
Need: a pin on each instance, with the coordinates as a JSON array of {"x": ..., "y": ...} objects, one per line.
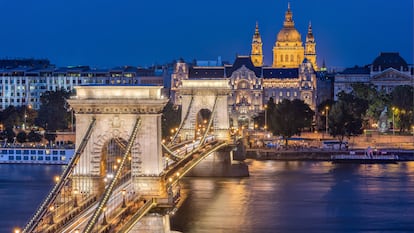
[{"x": 387, "y": 60}]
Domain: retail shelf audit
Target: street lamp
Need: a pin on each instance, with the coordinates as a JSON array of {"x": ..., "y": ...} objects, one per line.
[
  {"x": 123, "y": 198},
  {"x": 265, "y": 126},
  {"x": 326, "y": 120},
  {"x": 75, "y": 201},
  {"x": 51, "y": 208},
  {"x": 25, "y": 115},
  {"x": 393, "y": 120},
  {"x": 17, "y": 230},
  {"x": 104, "y": 222}
]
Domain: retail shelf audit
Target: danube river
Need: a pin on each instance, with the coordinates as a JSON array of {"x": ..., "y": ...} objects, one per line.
[{"x": 284, "y": 197}]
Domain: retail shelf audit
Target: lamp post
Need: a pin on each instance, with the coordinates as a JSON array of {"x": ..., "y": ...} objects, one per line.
[
  {"x": 72, "y": 111},
  {"x": 265, "y": 126},
  {"x": 123, "y": 198},
  {"x": 25, "y": 115},
  {"x": 52, "y": 208},
  {"x": 326, "y": 120},
  {"x": 75, "y": 200},
  {"x": 104, "y": 222},
  {"x": 393, "y": 121}
]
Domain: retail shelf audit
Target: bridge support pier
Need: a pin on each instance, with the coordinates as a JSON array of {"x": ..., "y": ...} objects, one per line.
[
  {"x": 220, "y": 164},
  {"x": 153, "y": 223}
]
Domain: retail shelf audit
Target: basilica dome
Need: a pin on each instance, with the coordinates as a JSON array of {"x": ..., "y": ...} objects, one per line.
[{"x": 288, "y": 34}]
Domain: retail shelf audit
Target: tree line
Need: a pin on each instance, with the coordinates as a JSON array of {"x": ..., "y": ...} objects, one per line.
[
  {"x": 348, "y": 116},
  {"x": 24, "y": 123}
]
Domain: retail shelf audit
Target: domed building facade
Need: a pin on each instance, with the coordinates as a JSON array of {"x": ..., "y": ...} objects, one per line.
[
  {"x": 387, "y": 71},
  {"x": 288, "y": 50},
  {"x": 291, "y": 76}
]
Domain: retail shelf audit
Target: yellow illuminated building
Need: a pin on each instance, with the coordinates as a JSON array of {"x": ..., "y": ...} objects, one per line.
[
  {"x": 288, "y": 51},
  {"x": 257, "y": 48}
]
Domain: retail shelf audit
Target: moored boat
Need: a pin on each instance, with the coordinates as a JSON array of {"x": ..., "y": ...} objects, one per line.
[
  {"x": 59, "y": 155},
  {"x": 365, "y": 158}
]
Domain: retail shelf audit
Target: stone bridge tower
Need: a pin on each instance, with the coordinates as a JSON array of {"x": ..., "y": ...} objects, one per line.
[{"x": 116, "y": 110}]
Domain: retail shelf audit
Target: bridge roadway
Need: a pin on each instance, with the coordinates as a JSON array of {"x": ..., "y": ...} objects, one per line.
[{"x": 126, "y": 208}]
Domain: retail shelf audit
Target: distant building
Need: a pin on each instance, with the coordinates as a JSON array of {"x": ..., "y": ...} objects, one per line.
[
  {"x": 252, "y": 86},
  {"x": 386, "y": 72},
  {"x": 292, "y": 75},
  {"x": 24, "y": 83}
]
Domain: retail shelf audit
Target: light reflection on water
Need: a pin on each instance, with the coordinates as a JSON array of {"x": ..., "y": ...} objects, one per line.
[
  {"x": 278, "y": 197},
  {"x": 301, "y": 197}
]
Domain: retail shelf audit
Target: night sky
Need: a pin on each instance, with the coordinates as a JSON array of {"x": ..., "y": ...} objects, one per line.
[{"x": 105, "y": 33}]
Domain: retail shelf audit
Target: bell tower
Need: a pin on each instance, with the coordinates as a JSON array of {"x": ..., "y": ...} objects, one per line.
[
  {"x": 257, "y": 48},
  {"x": 288, "y": 51},
  {"x": 310, "y": 47}
]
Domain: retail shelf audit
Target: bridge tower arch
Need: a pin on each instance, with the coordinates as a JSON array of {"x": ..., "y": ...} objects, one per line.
[
  {"x": 201, "y": 94},
  {"x": 116, "y": 109}
]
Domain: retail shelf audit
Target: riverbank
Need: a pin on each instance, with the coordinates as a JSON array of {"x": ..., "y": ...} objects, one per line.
[{"x": 314, "y": 154}]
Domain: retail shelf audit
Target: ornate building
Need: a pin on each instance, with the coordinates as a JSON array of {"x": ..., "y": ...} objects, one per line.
[
  {"x": 292, "y": 75},
  {"x": 288, "y": 51},
  {"x": 386, "y": 72},
  {"x": 257, "y": 48}
]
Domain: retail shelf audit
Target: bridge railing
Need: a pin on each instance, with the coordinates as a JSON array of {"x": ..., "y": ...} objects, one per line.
[
  {"x": 44, "y": 207},
  {"x": 138, "y": 215},
  {"x": 178, "y": 172}
]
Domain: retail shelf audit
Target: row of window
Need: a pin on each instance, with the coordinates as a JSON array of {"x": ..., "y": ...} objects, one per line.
[
  {"x": 33, "y": 152},
  {"x": 36, "y": 158},
  {"x": 295, "y": 94}
]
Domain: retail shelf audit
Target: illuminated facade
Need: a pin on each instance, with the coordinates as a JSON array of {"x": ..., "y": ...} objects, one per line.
[
  {"x": 251, "y": 86},
  {"x": 386, "y": 72},
  {"x": 257, "y": 48},
  {"x": 291, "y": 76},
  {"x": 288, "y": 51},
  {"x": 23, "y": 85}
]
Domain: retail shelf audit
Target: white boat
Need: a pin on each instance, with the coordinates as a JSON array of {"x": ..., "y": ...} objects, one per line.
[
  {"x": 59, "y": 155},
  {"x": 365, "y": 158}
]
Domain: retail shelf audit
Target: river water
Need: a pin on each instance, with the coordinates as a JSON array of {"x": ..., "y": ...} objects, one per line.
[{"x": 278, "y": 196}]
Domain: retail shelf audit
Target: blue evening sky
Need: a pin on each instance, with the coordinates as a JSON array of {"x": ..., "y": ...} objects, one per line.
[{"x": 107, "y": 33}]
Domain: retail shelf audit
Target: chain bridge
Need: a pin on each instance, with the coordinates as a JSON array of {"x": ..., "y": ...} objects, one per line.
[{"x": 122, "y": 178}]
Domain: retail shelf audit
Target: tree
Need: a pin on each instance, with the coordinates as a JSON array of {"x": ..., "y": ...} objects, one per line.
[
  {"x": 53, "y": 113},
  {"x": 375, "y": 100},
  {"x": 50, "y": 137},
  {"x": 10, "y": 135},
  {"x": 32, "y": 136},
  {"x": 260, "y": 118},
  {"x": 345, "y": 117},
  {"x": 403, "y": 102},
  {"x": 21, "y": 137},
  {"x": 290, "y": 118},
  {"x": 11, "y": 117}
]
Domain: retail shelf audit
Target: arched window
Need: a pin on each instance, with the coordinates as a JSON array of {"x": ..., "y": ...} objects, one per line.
[
  {"x": 286, "y": 57},
  {"x": 291, "y": 58},
  {"x": 281, "y": 58}
]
